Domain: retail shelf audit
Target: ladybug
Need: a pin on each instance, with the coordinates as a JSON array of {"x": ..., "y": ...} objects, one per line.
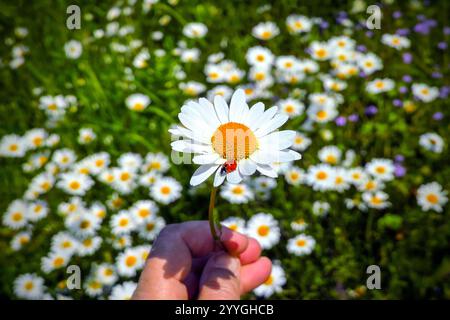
[{"x": 228, "y": 167}]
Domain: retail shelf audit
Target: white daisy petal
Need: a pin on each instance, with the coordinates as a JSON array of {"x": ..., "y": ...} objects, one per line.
[
  {"x": 209, "y": 113},
  {"x": 266, "y": 170},
  {"x": 188, "y": 147},
  {"x": 279, "y": 139},
  {"x": 272, "y": 125},
  {"x": 193, "y": 135},
  {"x": 247, "y": 167},
  {"x": 234, "y": 177},
  {"x": 219, "y": 178},
  {"x": 255, "y": 113},
  {"x": 202, "y": 173},
  {"x": 287, "y": 156},
  {"x": 264, "y": 157},
  {"x": 206, "y": 158},
  {"x": 268, "y": 114},
  {"x": 221, "y": 109},
  {"x": 238, "y": 106}
]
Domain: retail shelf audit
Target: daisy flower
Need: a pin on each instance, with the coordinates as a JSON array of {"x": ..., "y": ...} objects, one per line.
[
  {"x": 299, "y": 225},
  {"x": 370, "y": 63},
  {"x": 274, "y": 284},
  {"x": 380, "y": 85},
  {"x": 265, "y": 30},
  {"x": 93, "y": 287},
  {"x": 330, "y": 154},
  {"x": 64, "y": 158},
  {"x": 195, "y": 30},
  {"x": 432, "y": 142},
  {"x": 301, "y": 245},
  {"x": 221, "y": 90},
  {"x": 395, "y": 41},
  {"x": 35, "y": 138},
  {"x": 156, "y": 162},
  {"x": 166, "y": 190},
  {"x": 21, "y": 239},
  {"x": 122, "y": 223},
  {"x": 55, "y": 260},
  {"x": 235, "y": 223},
  {"x": 264, "y": 183},
  {"x": 377, "y": 199},
  {"x": 88, "y": 246},
  {"x": 233, "y": 142},
  {"x": 15, "y": 216},
  {"x": 106, "y": 274},
  {"x": 97, "y": 162},
  {"x": 382, "y": 169},
  {"x": 192, "y": 88},
  {"x": 137, "y": 102},
  {"x": 264, "y": 228},
  {"x": 83, "y": 223},
  {"x": 425, "y": 93},
  {"x": 12, "y": 145},
  {"x": 259, "y": 56},
  {"x": 319, "y": 51},
  {"x": 301, "y": 142},
  {"x": 73, "y": 49},
  {"x": 29, "y": 286},
  {"x": 123, "y": 291},
  {"x": 75, "y": 183},
  {"x": 320, "y": 177},
  {"x": 237, "y": 193},
  {"x": 291, "y": 107},
  {"x": 431, "y": 196},
  {"x": 151, "y": 227},
  {"x": 86, "y": 135},
  {"x": 320, "y": 208},
  {"x": 128, "y": 262},
  {"x": 142, "y": 210},
  {"x": 298, "y": 24},
  {"x": 295, "y": 176},
  {"x": 64, "y": 243}
]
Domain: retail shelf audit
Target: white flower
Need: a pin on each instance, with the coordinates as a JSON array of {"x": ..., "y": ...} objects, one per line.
[
  {"x": 166, "y": 190},
  {"x": 192, "y": 88},
  {"x": 233, "y": 142},
  {"x": 12, "y": 145},
  {"x": 195, "y": 30},
  {"x": 21, "y": 239},
  {"x": 431, "y": 196},
  {"x": 320, "y": 208},
  {"x": 265, "y": 30},
  {"x": 64, "y": 243},
  {"x": 273, "y": 284},
  {"x": 291, "y": 107},
  {"x": 15, "y": 216},
  {"x": 137, "y": 101},
  {"x": 88, "y": 246},
  {"x": 75, "y": 183},
  {"x": 382, "y": 169},
  {"x": 150, "y": 227},
  {"x": 395, "y": 41},
  {"x": 370, "y": 63},
  {"x": 122, "y": 223},
  {"x": 424, "y": 92},
  {"x": 432, "y": 142},
  {"x": 156, "y": 162},
  {"x": 259, "y": 56},
  {"x": 380, "y": 85},
  {"x": 264, "y": 228},
  {"x": 106, "y": 274},
  {"x": 320, "y": 177},
  {"x": 320, "y": 51},
  {"x": 330, "y": 154},
  {"x": 128, "y": 262},
  {"x": 86, "y": 135},
  {"x": 73, "y": 49},
  {"x": 29, "y": 286},
  {"x": 143, "y": 210},
  {"x": 237, "y": 193},
  {"x": 377, "y": 199},
  {"x": 123, "y": 291},
  {"x": 301, "y": 245},
  {"x": 55, "y": 260},
  {"x": 295, "y": 176},
  {"x": 64, "y": 158},
  {"x": 298, "y": 24},
  {"x": 235, "y": 223},
  {"x": 299, "y": 225},
  {"x": 93, "y": 287}
]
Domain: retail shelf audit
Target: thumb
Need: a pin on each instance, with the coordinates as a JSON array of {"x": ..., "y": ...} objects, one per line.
[{"x": 220, "y": 279}]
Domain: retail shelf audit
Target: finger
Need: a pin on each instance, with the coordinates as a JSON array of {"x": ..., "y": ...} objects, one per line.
[
  {"x": 255, "y": 274},
  {"x": 252, "y": 253},
  {"x": 192, "y": 279},
  {"x": 220, "y": 278}
]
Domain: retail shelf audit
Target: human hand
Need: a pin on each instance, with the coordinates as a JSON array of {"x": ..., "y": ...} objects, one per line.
[{"x": 186, "y": 263}]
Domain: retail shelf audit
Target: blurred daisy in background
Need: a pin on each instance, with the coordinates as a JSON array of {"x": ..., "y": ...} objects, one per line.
[
  {"x": 274, "y": 284},
  {"x": 29, "y": 286},
  {"x": 264, "y": 228},
  {"x": 301, "y": 245},
  {"x": 137, "y": 102},
  {"x": 265, "y": 30},
  {"x": 431, "y": 196}
]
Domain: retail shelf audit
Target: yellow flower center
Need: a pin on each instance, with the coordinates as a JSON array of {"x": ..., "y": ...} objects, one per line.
[
  {"x": 269, "y": 281},
  {"x": 17, "y": 216},
  {"x": 432, "y": 198},
  {"x": 13, "y": 147},
  {"x": 321, "y": 175},
  {"x": 165, "y": 190},
  {"x": 301, "y": 243},
  {"x": 263, "y": 230},
  {"x": 74, "y": 185},
  {"x": 29, "y": 286},
  {"x": 130, "y": 261},
  {"x": 234, "y": 141},
  {"x": 143, "y": 213},
  {"x": 58, "y": 262},
  {"x": 123, "y": 222}
]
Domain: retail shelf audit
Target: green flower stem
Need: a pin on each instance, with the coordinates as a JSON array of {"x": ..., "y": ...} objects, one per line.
[{"x": 212, "y": 223}]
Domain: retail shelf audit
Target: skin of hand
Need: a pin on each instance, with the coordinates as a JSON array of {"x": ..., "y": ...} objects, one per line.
[{"x": 186, "y": 263}]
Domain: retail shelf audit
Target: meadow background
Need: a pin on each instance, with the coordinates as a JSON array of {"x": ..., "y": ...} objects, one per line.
[{"x": 411, "y": 246}]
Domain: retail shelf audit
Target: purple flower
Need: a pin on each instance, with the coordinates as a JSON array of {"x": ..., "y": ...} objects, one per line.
[
  {"x": 446, "y": 31},
  {"x": 407, "y": 57},
  {"x": 371, "y": 110},
  {"x": 399, "y": 158},
  {"x": 402, "y": 32},
  {"x": 361, "y": 48},
  {"x": 369, "y": 34},
  {"x": 442, "y": 45},
  {"x": 324, "y": 25},
  {"x": 422, "y": 28},
  {"x": 443, "y": 93},
  {"x": 436, "y": 75},
  {"x": 403, "y": 89},
  {"x": 353, "y": 117},
  {"x": 341, "y": 121},
  {"x": 438, "y": 116},
  {"x": 397, "y": 15},
  {"x": 397, "y": 103},
  {"x": 399, "y": 170},
  {"x": 407, "y": 78}
]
